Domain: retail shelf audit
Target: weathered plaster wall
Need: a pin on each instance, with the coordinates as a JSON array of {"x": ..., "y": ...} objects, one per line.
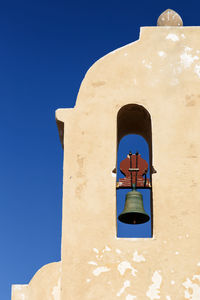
[
  {"x": 19, "y": 292},
  {"x": 45, "y": 285},
  {"x": 161, "y": 72}
]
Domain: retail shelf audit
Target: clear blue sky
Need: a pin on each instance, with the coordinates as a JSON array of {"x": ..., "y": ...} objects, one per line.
[{"x": 45, "y": 49}]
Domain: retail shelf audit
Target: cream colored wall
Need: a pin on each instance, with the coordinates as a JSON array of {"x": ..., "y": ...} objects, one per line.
[
  {"x": 45, "y": 285},
  {"x": 19, "y": 292},
  {"x": 161, "y": 72}
]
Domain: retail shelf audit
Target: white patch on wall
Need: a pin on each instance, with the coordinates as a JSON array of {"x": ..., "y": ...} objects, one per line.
[
  {"x": 88, "y": 280},
  {"x": 187, "y": 59},
  {"x": 125, "y": 54},
  {"x": 183, "y": 36},
  {"x": 168, "y": 298},
  {"x": 100, "y": 270},
  {"x": 56, "y": 291},
  {"x": 162, "y": 54},
  {"x": 197, "y": 71},
  {"x": 95, "y": 250},
  {"x": 106, "y": 249},
  {"x": 118, "y": 251},
  {"x": 130, "y": 297},
  {"x": 148, "y": 65},
  {"x": 173, "y": 37},
  {"x": 92, "y": 263},
  {"x": 188, "y": 48},
  {"x": 192, "y": 290},
  {"x": 172, "y": 282},
  {"x": 137, "y": 257},
  {"x": 196, "y": 277},
  {"x": 154, "y": 289},
  {"x": 198, "y": 264},
  {"x": 177, "y": 253},
  {"x": 126, "y": 284},
  {"x": 125, "y": 265}
]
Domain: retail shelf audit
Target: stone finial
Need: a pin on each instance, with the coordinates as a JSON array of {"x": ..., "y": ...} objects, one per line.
[{"x": 169, "y": 18}]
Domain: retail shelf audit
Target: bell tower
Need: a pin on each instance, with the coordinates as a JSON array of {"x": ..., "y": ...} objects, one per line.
[{"x": 158, "y": 79}]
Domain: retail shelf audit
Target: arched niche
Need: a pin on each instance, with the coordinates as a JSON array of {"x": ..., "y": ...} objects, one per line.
[{"x": 134, "y": 122}]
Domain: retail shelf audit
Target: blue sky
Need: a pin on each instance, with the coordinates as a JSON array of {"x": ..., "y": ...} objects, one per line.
[{"x": 45, "y": 49}]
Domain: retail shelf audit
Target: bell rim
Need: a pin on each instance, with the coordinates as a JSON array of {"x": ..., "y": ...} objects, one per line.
[{"x": 122, "y": 218}]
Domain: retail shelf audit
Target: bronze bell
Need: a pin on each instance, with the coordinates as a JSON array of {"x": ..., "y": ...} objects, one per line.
[{"x": 134, "y": 212}]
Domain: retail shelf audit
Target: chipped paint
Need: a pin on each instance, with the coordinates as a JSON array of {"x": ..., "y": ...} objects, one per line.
[
  {"x": 162, "y": 54},
  {"x": 197, "y": 70},
  {"x": 187, "y": 59},
  {"x": 188, "y": 48},
  {"x": 196, "y": 277},
  {"x": 148, "y": 65},
  {"x": 100, "y": 270},
  {"x": 92, "y": 263},
  {"x": 95, "y": 250},
  {"x": 56, "y": 290},
  {"x": 126, "y": 285},
  {"x": 137, "y": 257},
  {"x": 130, "y": 297},
  {"x": 173, "y": 37},
  {"x": 118, "y": 251},
  {"x": 172, "y": 282},
  {"x": 125, "y": 265},
  {"x": 153, "y": 291},
  {"x": 106, "y": 249},
  {"x": 168, "y": 298},
  {"x": 192, "y": 291}
]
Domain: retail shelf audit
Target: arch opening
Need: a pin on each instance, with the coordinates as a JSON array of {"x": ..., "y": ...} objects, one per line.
[{"x": 134, "y": 133}]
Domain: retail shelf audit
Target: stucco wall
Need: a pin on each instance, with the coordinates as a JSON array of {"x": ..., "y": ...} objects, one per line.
[
  {"x": 45, "y": 285},
  {"x": 161, "y": 72}
]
